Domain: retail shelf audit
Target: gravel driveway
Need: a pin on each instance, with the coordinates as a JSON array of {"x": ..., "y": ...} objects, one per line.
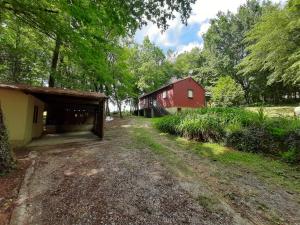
[
  {"x": 104, "y": 182},
  {"x": 81, "y": 180}
]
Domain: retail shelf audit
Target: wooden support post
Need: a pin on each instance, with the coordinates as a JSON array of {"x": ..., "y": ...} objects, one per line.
[{"x": 99, "y": 129}]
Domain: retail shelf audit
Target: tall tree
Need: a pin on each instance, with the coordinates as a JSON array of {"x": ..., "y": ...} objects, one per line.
[
  {"x": 225, "y": 39},
  {"x": 149, "y": 66},
  {"x": 89, "y": 29},
  {"x": 196, "y": 63},
  {"x": 24, "y": 53},
  {"x": 121, "y": 88},
  {"x": 275, "y": 47}
]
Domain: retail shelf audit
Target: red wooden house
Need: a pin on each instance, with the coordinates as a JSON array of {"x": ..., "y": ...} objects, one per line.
[{"x": 181, "y": 94}]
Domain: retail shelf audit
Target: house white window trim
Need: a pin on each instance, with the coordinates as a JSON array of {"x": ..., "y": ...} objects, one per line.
[
  {"x": 164, "y": 94},
  {"x": 190, "y": 93}
]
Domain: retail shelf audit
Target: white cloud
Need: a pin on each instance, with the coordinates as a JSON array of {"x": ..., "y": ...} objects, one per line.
[
  {"x": 169, "y": 38},
  {"x": 202, "y": 12},
  {"x": 188, "y": 47},
  {"x": 203, "y": 28},
  {"x": 207, "y": 9}
]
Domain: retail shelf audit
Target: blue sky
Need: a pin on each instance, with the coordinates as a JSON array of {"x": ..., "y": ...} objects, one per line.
[{"x": 182, "y": 38}]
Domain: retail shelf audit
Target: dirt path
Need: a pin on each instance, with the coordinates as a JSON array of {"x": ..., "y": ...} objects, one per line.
[{"x": 118, "y": 181}]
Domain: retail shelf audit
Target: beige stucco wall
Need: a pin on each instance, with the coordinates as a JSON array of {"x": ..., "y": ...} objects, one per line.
[
  {"x": 36, "y": 128},
  {"x": 18, "y": 116}
]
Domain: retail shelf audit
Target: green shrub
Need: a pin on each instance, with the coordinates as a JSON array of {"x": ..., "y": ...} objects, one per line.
[
  {"x": 291, "y": 156},
  {"x": 252, "y": 139},
  {"x": 6, "y": 159},
  {"x": 293, "y": 144},
  {"x": 227, "y": 92},
  {"x": 168, "y": 123},
  {"x": 238, "y": 128},
  {"x": 202, "y": 127}
]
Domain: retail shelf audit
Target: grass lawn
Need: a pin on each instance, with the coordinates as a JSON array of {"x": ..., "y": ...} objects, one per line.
[
  {"x": 272, "y": 170},
  {"x": 275, "y": 110}
]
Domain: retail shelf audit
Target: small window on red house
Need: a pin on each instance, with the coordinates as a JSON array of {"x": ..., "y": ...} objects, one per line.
[
  {"x": 164, "y": 94},
  {"x": 190, "y": 93}
]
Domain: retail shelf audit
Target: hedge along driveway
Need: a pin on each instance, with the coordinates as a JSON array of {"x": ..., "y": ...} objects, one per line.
[{"x": 238, "y": 128}]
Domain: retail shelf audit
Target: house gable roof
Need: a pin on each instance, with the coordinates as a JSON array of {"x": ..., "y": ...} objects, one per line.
[
  {"x": 170, "y": 84},
  {"x": 53, "y": 91}
]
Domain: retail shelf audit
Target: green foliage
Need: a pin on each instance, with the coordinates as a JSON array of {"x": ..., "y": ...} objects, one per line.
[
  {"x": 6, "y": 158},
  {"x": 122, "y": 83},
  {"x": 169, "y": 124},
  {"x": 252, "y": 139},
  {"x": 259, "y": 48},
  {"x": 292, "y": 141},
  {"x": 196, "y": 63},
  {"x": 238, "y": 128},
  {"x": 148, "y": 64},
  {"x": 291, "y": 156},
  {"x": 227, "y": 92},
  {"x": 71, "y": 41},
  {"x": 224, "y": 40},
  {"x": 24, "y": 54},
  {"x": 274, "y": 46},
  {"x": 84, "y": 44},
  {"x": 271, "y": 170},
  {"x": 202, "y": 127}
]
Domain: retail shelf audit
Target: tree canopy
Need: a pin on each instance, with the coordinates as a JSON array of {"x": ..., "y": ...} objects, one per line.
[
  {"x": 81, "y": 33},
  {"x": 227, "y": 92},
  {"x": 88, "y": 45},
  {"x": 274, "y": 46}
]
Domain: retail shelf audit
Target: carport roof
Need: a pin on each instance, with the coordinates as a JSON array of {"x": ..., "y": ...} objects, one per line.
[{"x": 53, "y": 91}]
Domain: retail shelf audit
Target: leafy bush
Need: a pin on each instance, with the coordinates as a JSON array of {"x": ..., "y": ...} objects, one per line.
[
  {"x": 227, "y": 92},
  {"x": 293, "y": 144},
  {"x": 6, "y": 159},
  {"x": 238, "y": 128},
  {"x": 252, "y": 139},
  {"x": 201, "y": 127},
  {"x": 169, "y": 123}
]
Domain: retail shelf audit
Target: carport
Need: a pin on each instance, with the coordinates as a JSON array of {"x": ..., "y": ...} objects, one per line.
[
  {"x": 69, "y": 110},
  {"x": 38, "y": 110}
]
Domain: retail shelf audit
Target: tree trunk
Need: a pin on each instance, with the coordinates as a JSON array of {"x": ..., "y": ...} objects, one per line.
[
  {"x": 54, "y": 62},
  {"x": 119, "y": 104},
  {"x": 107, "y": 108}
]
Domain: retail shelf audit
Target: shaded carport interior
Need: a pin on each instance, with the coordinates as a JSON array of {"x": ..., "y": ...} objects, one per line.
[{"x": 69, "y": 110}]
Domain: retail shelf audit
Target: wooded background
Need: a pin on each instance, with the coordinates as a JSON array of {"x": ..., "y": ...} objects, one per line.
[{"x": 89, "y": 45}]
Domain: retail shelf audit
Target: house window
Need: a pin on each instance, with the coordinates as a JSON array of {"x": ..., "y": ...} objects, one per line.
[
  {"x": 35, "y": 114},
  {"x": 164, "y": 94},
  {"x": 190, "y": 93}
]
